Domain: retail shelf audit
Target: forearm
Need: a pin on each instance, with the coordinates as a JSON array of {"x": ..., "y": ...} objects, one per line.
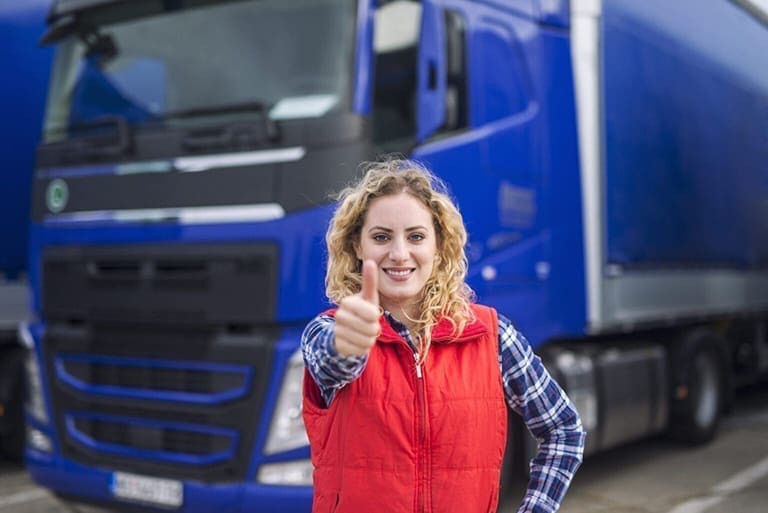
[{"x": 553, "y": 468}]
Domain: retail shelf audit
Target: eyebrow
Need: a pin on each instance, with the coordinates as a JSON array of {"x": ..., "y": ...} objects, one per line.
[{"x": 389, "y": 230}]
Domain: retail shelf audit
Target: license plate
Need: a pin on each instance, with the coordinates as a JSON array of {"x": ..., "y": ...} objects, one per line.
[{"x": 149, "y": 490}]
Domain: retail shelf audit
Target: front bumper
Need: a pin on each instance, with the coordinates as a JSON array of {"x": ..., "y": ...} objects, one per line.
[{"x": 93, "y": 485}]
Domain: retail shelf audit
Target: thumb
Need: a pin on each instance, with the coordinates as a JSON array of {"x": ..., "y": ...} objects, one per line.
[{"x": 370, "y": 291}]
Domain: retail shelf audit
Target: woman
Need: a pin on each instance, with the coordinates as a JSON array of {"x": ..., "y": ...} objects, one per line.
[{"x": 407, "y": 380}]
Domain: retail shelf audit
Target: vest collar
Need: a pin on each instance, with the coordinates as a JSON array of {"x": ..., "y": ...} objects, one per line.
[{"x": 441, "y": 333}]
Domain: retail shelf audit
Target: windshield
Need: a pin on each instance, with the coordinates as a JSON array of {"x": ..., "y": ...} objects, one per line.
[{"x": 149, "y": 64}]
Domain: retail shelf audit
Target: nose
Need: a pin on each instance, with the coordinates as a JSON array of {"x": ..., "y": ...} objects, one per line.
[{"x": 398, "y": 250}]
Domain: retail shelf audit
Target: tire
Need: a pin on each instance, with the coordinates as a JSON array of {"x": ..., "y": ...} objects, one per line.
[
  {"x": 698, "y": 371},
  {"x": 12, "y": 434}
]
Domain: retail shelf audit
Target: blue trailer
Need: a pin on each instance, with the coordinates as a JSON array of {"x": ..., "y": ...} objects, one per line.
[
  {"x": 22, "y": 100},
  {"x": 609, "y": 158}
]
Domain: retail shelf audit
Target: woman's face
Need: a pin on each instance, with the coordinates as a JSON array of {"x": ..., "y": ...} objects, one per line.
[{"x": 398, "y": 234}]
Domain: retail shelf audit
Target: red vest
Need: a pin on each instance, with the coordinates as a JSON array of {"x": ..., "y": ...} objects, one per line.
[{"x": 392, "y": 441}]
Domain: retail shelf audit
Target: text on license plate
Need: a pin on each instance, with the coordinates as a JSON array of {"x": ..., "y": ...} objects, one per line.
[{"x": 151, "y": 490}]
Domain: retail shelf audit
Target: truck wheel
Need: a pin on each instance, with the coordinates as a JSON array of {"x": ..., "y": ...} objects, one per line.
[
  {"x": 12, "y": 399},
  {"x": 13, "y": 444},
  {"x": 698, "y": 378}
]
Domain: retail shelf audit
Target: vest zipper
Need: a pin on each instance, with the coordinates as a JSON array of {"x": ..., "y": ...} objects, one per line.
[{"x": 421, "y": 395}]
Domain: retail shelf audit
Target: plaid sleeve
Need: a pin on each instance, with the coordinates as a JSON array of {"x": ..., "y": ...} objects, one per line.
[
  {"x": 330, "y": 370},
  {"x": 550, "y": 417}
]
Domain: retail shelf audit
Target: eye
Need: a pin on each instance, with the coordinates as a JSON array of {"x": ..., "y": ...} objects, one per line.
[
  {"x": 417, "y": 237},
  {"x": 380, "y": 237}
]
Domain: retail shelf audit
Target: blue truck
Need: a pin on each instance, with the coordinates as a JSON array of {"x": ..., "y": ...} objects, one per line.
[
  {"x": 610, "y": 158},
  {"x": 22, "y": 100}
]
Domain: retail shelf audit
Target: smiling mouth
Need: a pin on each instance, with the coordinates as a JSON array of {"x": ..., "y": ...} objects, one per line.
[{"x": 398, "y": 273}]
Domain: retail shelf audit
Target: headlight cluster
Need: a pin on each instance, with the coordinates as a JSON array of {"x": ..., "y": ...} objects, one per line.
[
  {"x": 287, "y": 428},
  {"x": 287, "y": 432},
  {"x": 35, "y": 399}
]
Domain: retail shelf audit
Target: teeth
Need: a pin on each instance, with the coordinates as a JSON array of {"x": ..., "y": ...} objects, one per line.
[{"x": 398, "y": 273}]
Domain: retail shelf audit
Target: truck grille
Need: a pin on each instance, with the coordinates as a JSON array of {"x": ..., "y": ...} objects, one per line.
[
  {"x": 161, "y": 283},
  {"x": 100, "y": 374},
  {"x": 171, "y": 442},
  {"x": 159, "y": 356}
]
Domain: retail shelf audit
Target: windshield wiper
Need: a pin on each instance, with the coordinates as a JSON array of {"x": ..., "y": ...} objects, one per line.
[
  {"x": 270, "y": 127},
  {"x": 97, "y": 148}
]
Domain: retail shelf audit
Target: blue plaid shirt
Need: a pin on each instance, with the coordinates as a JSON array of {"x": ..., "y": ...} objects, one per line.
[{"x": 528, "y": 387}]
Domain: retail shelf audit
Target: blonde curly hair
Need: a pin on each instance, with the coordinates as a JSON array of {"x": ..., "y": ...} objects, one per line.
[{"x": 445, "y": 293}]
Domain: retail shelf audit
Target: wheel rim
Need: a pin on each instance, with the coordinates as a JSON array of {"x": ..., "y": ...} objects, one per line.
[{"x": 706, "y": 389}]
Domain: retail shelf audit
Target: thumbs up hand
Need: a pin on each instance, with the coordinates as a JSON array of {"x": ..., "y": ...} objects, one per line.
[{"x": 357, "y": 318}]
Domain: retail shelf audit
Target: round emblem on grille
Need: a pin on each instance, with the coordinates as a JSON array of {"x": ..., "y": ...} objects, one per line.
[{"x": 57, "y": 195}]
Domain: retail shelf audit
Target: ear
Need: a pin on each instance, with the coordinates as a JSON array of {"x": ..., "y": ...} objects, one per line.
[{"x": 358, "y": 252}]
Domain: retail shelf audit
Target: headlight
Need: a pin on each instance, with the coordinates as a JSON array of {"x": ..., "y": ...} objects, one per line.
[
  {"x": 297, "y": 473},
  {"x": 35, "y": 401},
  {"x": 38, "y": 440},
  {"x": 286, "y": 430}
]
